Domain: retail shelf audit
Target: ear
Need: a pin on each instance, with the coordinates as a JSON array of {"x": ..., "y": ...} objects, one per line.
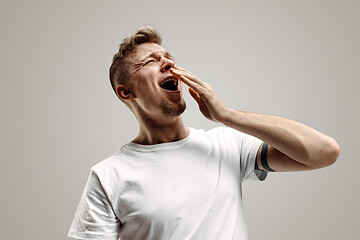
[{"x": 124, "y": 93}]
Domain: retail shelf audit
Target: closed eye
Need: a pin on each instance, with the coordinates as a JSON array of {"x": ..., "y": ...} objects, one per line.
[{"x": 149, "y": 61}]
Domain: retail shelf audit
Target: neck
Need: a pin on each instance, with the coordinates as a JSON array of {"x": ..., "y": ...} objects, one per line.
[{"x": 153, "y": 132}]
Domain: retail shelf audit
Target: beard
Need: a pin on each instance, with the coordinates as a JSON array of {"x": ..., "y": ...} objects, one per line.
[{"x": 171, "y": 109}]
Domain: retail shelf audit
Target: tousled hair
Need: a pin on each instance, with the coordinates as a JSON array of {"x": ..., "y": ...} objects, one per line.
[{"x": 119, "y": 72}]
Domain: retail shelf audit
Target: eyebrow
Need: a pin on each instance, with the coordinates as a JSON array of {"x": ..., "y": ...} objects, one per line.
[{"x": 155, "y": 54}]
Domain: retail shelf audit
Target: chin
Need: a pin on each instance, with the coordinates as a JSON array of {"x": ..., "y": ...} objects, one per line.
[{"x": 171, "y": 109}]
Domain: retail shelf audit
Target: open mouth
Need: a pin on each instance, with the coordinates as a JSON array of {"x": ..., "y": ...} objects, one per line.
[{"x": 170, "y": 84}]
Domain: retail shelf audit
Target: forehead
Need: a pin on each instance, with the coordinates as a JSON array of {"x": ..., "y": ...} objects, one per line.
[{"x": 144, "y": 50}]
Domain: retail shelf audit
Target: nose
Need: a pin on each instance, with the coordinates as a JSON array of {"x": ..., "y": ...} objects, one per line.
[{"x": 167, "y": 64}]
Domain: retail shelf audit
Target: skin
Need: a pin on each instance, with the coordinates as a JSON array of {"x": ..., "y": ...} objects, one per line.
[
  {"x": 150, "y": 64},
  {"x": 293, "y": 146}
]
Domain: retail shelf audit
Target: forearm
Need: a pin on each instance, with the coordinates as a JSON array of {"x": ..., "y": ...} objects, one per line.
[{"x": 296, "y": 140}]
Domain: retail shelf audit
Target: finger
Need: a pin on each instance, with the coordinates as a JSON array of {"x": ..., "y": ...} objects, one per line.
[
  {"x": 202, "y": 92},
  {"x": 195, "y": 95},
  {"x": 180, "y": 68},
  {"x": 189, "y": 75},
  {"x": 202, "y": 106},
  {"x": 190, "y": 83},
  {"x": 177, "y": 67},
  {"x": 178, "y": 71}
]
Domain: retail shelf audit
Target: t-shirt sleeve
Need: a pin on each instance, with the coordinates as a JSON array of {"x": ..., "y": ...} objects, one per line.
[
  {"x": 248, "y": 147},
  {"x": 94, "y": 218}
]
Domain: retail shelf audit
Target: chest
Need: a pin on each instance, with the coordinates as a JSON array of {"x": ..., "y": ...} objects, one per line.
[{"x": 173, "y": 185}]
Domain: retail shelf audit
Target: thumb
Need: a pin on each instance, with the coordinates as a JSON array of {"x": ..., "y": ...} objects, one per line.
[{"x": 195, "y": 95}]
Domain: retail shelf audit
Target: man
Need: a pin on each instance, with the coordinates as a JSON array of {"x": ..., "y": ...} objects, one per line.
[{"x": 174, "y": 182}]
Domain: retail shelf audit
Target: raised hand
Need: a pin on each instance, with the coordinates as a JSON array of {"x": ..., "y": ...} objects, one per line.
[{"x": 209, "y": 103}]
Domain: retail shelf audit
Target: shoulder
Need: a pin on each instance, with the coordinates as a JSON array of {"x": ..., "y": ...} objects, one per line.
[
  {"x": 114, "y": 172},
  {"x": 225, "y": 132},
  {"x": 119, "y": 161}
]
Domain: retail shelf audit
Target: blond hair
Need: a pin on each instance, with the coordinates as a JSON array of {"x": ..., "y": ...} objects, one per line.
[{"x": 118, "y": 72}]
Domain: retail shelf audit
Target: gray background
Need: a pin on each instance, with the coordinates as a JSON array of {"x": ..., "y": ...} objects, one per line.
[{"x": 59, "y": 116}]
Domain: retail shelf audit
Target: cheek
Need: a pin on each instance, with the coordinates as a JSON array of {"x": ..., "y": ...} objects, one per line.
[
  {"x": 150, "y": 83},
  {"x": 147, "y": 90}
]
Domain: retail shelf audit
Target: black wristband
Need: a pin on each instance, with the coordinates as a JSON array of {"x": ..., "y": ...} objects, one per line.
[{"x": 264, "y": 162}]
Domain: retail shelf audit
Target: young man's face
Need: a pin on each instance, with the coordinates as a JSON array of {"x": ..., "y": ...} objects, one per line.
[{"x": 156, "y": 89}]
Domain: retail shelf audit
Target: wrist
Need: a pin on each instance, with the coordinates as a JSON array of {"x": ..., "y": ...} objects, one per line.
[{"x": 228, "y": 114}]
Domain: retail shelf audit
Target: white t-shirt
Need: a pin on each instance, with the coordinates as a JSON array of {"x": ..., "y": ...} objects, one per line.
[{"x": 188, "y": 189}]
